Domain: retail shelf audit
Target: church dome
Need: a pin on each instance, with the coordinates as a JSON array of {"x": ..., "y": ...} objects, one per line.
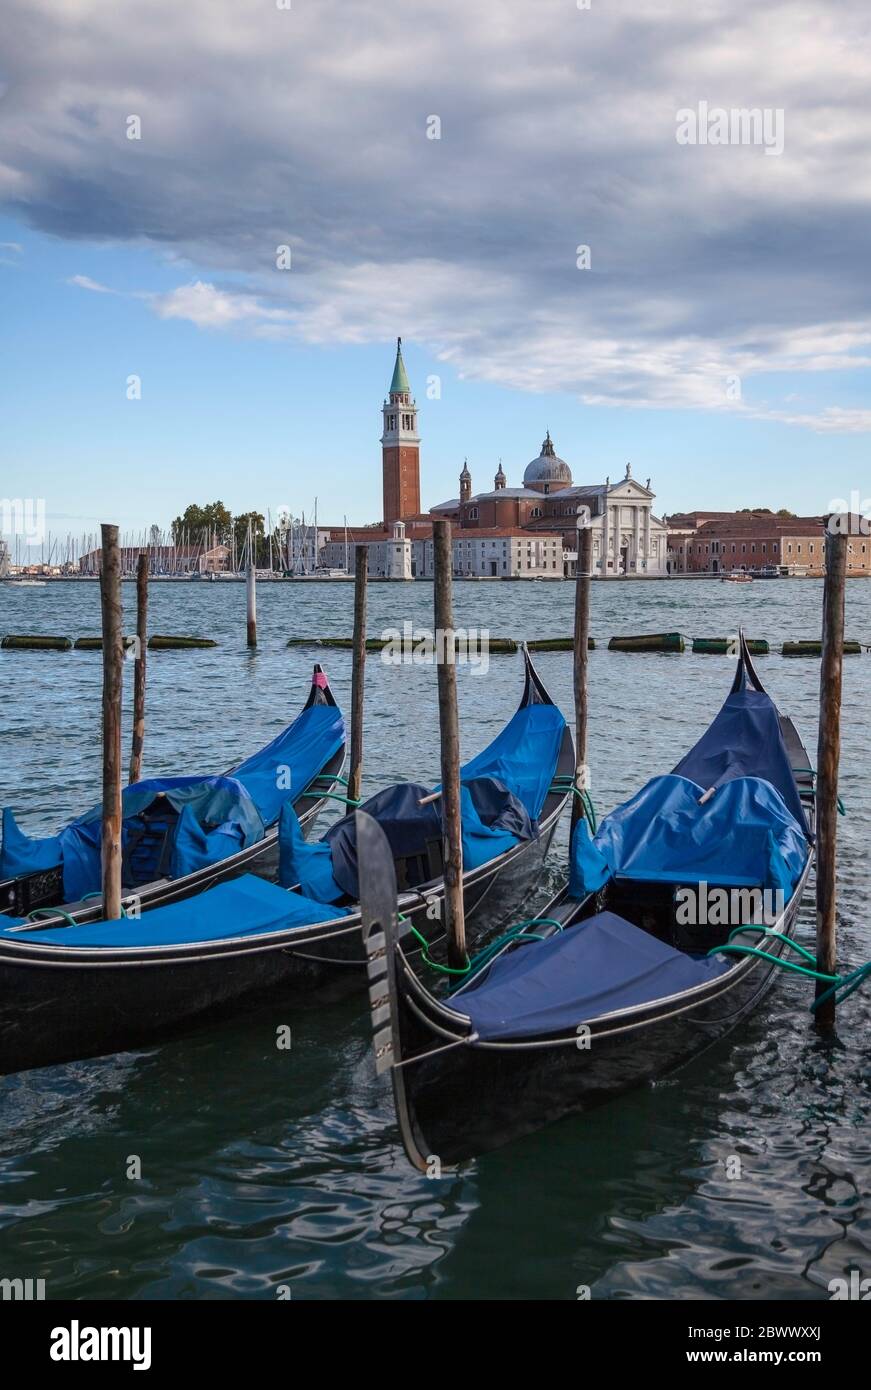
[{"x": 548, "y": 468}]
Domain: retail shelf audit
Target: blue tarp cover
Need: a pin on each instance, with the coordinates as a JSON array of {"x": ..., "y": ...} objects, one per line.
[
  {"x": 744, "y": 741},
  {"x": 314, "y": 737},
  {"x": 493, "y": 821},
  {"x": 744, "y": 836},
  {"x": 244, "y": 906},
  {"x": 217, "y": 818},
  {"x": 503, "y": 791},
  {"x": 309, "y": 865},
  {"x": 599, "y": 966},
  {"x": 218, "y": 815},
  {"x": 523, "y": 756}
]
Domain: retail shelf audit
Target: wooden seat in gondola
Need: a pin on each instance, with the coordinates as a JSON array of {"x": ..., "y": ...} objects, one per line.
[
  {"x": 148, "y": 847},
  {"x": 655, "y": 908},
  {"x": 427, "y": 865}
]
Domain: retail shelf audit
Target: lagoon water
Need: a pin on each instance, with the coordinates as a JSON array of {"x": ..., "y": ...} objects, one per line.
[{"x": 263, "y": 1168}]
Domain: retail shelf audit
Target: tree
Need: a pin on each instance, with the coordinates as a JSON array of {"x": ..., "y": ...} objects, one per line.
[
  {"x": 258, "y": 533},
  {"x": 784, "y": 511},
  {"x": 200, "y": 523}
]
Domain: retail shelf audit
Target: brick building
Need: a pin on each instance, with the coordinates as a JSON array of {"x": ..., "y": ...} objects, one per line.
[
  {"x": 400, "y": 448},
  {"x": 627, "y": 538}
]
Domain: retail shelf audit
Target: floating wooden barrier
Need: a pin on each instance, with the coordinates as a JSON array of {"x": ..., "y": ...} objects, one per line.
[
  {"x": 88, "y": 644},
  {"x": 498, "y": 645},
  {"x": 816, "y": 648},
  {"x": 373, "y": 644},
  {"x": 723, "y": 646},
  {"x": 167, "y": 644},
  {"x": 29, "y": 642},
  {"x": 651, "y": 642},
  {"x": 558, "y": 644}
]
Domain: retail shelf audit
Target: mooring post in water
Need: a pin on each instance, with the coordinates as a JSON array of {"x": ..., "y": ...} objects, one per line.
[
  {"x": 113, "y": 678},
  {"x": 139, "y": 666},
  {"x": 251, "y": 596},
  {"x": 583, "y": 576},
  {"x": 828, "y": 756},
  {"x": 452, "y": 835},
  {"x": 358, "y": 670}
]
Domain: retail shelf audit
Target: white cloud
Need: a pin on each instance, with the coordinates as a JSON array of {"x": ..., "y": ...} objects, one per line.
[
  {"x": 84, "y": 282},
  {"x": 307, "y": 127},
  {"x": 209, "y": 307}
]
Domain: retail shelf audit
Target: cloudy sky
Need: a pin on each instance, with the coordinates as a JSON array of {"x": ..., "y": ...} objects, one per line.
[{"x": 719, "y": 337}]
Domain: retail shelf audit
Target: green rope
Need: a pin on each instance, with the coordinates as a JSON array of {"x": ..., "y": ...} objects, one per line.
[
  {"x": 337, "y": 796},
  {"x": 812, "y": 791},
  {"x": 845, "y": 986},
  {"x": 51, "y": 912},
  {"x": 840, "y": 986},
  {"x": 516, "y": 933},
  {"x": 328, "y": 777},
  {"x": 567, "y": 784}
]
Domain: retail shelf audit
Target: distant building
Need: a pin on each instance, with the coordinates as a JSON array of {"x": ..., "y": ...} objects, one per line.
[
  {"x": 490, "y": 553},
  {"x": 390, "y": 557},
  {"x": 749, "y": 541},
  {"x": 528, "y": 532},
  {"x": 627, "y": 538},
  {"x": 163, "y": 559},
  {"x": 400, "y": 447},
  {"x": 498, "y": 553},
  {"x": 4, "y": 559},
  {"x": 759, "y": 541}
]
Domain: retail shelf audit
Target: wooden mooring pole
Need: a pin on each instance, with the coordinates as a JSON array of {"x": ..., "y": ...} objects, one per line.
[
  {"x": 583, "y": 577},
  {"x": 113, "y": 680},
  {"x": 139, "y": 667},
  {"x": 358, "y": 671},
  {"x": 251, "y": 598},
  {"x": 452, "y": 835},
  {"x": 828, "y": 756}
]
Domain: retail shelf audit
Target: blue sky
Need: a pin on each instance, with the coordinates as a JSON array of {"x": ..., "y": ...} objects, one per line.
[{"x": 263, "y": 387}]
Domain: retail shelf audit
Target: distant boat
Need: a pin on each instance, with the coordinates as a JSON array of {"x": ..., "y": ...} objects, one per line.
[
  {"x": 28, "y": 583},
  {"x": 737, "y": 579}
]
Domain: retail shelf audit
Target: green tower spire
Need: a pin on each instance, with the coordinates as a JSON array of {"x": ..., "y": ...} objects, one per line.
[{"x": 399, "y": 385}]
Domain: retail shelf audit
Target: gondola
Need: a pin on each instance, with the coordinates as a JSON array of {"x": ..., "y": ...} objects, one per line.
[
  {"x": 181, "y": 835},
  {"x": 614, "y": 984},
  {"x": 89, "y": 989}
]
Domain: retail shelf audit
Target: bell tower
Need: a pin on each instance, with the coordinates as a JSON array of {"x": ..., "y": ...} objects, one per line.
[{"x": 400, "y": 447}]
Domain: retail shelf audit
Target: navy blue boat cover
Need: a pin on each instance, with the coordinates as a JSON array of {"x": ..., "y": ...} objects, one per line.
[
  {"x": 503, "y": 791},
  {"x": 245, "y": 906},
  {"x": 601, "y": 965},
  {"x": 744, "y": 741},
  {"x": 217, "y": 816},
  {"x": 744, "y": 836}
]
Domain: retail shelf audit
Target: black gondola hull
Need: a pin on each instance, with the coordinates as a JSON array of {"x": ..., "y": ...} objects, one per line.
[
  {"x": 458, "y": 1095},
  {"x": 59, "y": 1005},
  {"x": 471, "y": 1098}
]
